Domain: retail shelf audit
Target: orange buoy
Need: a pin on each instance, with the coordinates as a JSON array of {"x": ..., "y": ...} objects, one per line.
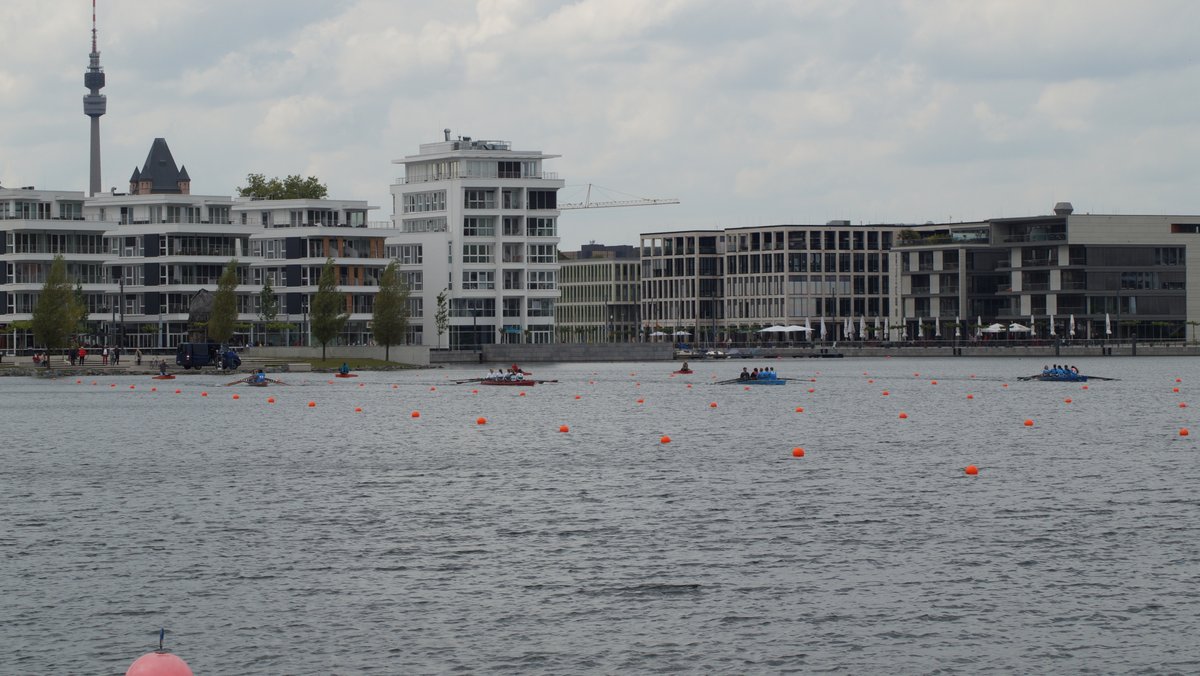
[
  {"x": 1182, "y": 404},
  {"x": 712, "y": 404},
  {"x": 521, "y": 393},
  {"x": 474, "y": 391},
  {"x": 270, "y": 400},
  {"x": 903, "y": 415},
  {"x": 395, "y": 387},
  {"x": 798, "y": 452},
  {"x": 933, "y": 382},
  {"x": 799, "y": 409},
  {"x": 237, "y": 396},
  {"x": 1183, "y": 431},
  {"x": 1084, "y": 387},
  {"x": 113, "y": 385},
  {"x": 641, "y": 401},
  {"x": 1067, "y": 400},
  {"x": 886, "y": 393},
  {"x": 811, "y": 390},
  {"x": 689, "y": 386},
  {"x": 177, "y": 391},
  {"x": 416, "y": 414},
  {"x": 870, "y": 381},
  {"x": 204, "y": 394},
  {"x": 664, "y": 439},
  {"x": 747, "y": 388},
  {"x": 1179, "y": 380},
  {"x": 970, "y": 396},
  {"x": 1028, "y": 423},
  {"x": 77, "y": 381},
  {"x": 1004, "y": 385},
  {"x": 481, "y": 420},
  {"x": 916, "y": 375},
  {"x": 159, "y": 663},
  {"x": 971, "y": 469},
  {"x": 578, "y": 397},
  {"x": 132, "y": 386},
  {"x": 564, "y": 428},
  {"x": 433, "y": 389},
  {"x": 358, "y": 409},
  {"x": 93, "y": 382},
  {"x": 1175, "y": 390},
  {"x": 329, "y": 381},
  {"x": 972, "y": 375},
  {"x": 312, "y": 404},
  {"x": 591, "y": 382},
  {"x": 153, "y": 389}
]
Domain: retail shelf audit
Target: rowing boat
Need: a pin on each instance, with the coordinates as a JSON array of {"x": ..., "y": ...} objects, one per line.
[
  {"x": 510, "y": 383},
  {"x": 756, "y": 381},
  {"x": 346, "y": 375},
  {"x": 166, "y": 376},
  {"x": 682, "y": 372}
]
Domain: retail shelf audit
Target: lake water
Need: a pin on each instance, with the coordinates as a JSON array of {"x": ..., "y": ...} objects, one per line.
[{"x": 282, "y": 538}]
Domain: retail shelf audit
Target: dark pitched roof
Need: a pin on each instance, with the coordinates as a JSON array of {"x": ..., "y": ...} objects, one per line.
[
  {"x": 136, "y": 176},
  {"x": 160, "y": 169},
  {"x": 183, "y": 173}
]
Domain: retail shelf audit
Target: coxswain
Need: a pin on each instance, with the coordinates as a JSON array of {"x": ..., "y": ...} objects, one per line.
[
  {"x": 685, "y": 367},
  {"x": 162, "y": 367}
]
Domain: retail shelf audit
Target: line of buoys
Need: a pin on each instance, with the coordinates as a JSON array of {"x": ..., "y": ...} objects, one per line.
[
  {"x": 971, "y": 470},
  {"x": 664, "y": 439},
  {"x": 798, "y": 452}
]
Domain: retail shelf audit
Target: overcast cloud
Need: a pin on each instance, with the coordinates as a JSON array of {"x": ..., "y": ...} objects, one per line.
[{"x": 749, "y": 112}]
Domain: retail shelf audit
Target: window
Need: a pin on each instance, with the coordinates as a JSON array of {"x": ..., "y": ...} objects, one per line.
[
  {"x": 541, "y": 227},
  {"x": 408, "y": 254},
  {"x": 475, "y": 198},
  {"x": 424, "y": 225},
  {"x": 478, "y": 279},
  {"x": 542, "y": 253},
  {"x": 416, "y": 202},
  {"x": 540, "y": 307},
  {"x": 541, "y": 279},
  {"x": 479, "y": 226},
  {"x": 543, "y": 199},
  {"x": 477, "y": 253},
  {"x": 413, "y": 279},
  {"x": 472, "y": 307}
]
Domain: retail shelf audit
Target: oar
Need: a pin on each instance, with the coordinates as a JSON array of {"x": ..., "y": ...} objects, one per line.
[
  {"x": 236, "y": 382},
  {"x": 726, "y": 382},
  {"x": 277, "y": 382},
  {"x": 469, "y": 380},
  {"x": 545, "y": 381}
]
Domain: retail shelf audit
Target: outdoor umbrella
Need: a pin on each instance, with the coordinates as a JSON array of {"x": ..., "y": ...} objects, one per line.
[
  {"x": 682, "y": 333},
  {"x": 793, "y": 327},
  {"x": 993, "y": 328},
  {"x": 937, "y": 328},
  {"x": 877, "y": 334},
  {"x": 822, "y": 327},
  {"x": 957, "y": 327},
  {"x": 1072, "y": 325},
  {"x": 1032, "y": 332},
  {"x": 657, "y": 334},
  {"x": 1018, "y": 328},
  {"x": 920, "y": 328},
  {"x": 862, "y": 327},
  {"x": 1107, "y": 325},
  {"x": 979, "y": 324},
  {"x": 1052, "y": 326},
  {"x": 848, "y": 329}
]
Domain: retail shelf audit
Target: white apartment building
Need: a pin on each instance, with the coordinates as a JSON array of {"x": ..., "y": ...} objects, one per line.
[
  {"x": 599, "y": 287},
  {"x": 478, "y": 222}
]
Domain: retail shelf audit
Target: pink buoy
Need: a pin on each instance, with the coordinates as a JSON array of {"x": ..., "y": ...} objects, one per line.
[{"x": 158, "y": 664}]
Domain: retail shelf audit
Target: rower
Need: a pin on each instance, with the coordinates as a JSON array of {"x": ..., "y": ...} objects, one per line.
[
  {"x": 685, "y": 367},
  {"x": 745, "y": 375},
  {"x": 344, "y": 368},
  {"x": 259, "y": 376},
  {"x": 162, "y": 367}
]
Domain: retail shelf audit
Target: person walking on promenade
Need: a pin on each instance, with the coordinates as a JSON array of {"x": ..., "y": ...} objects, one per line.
[
  {"x": 104, "y": 357},
  {"x": 137, "y": 357}
]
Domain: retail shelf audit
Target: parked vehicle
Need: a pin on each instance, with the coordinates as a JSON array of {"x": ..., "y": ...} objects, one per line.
[{"x": 199, "y": 355}]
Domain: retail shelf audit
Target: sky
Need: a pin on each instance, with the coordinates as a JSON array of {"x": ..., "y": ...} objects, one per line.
[{"x": 749, "y": 112}]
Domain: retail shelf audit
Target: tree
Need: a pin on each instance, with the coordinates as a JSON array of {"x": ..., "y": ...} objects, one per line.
[
  {"x": 291, "y": 187},
  {"x": 224, "y": 307},
  {"x": 268, "y": 303},
  {"x": 441, "y": 318},
  {"x": 389, "y": 324},
  {"x": 81, "y": 304},
  {"x": 56, "y": 315},
  {"x": 328, "y": 305}
]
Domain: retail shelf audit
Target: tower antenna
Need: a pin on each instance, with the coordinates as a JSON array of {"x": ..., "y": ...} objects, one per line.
[{"x": 95, "y": 104}]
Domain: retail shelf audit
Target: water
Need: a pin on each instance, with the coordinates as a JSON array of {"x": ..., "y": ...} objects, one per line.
[{"x": 279, "y": 538}]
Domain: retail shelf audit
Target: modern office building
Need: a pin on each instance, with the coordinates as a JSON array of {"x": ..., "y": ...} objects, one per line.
[
  {"x": 482, "y": 220},
  {"x": 599, "y": 292},
  {"x": 1128, "y": 274},
  {"x": 715, "y": 286}
]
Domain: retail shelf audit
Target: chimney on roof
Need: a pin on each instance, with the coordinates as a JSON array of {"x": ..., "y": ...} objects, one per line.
[
  {"x": 1063, "y": 209},
  {"x": 446, "y": 131}
]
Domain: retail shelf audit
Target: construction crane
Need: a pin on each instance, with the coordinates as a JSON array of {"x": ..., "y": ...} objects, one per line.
[{"x": 636, "y": 201}]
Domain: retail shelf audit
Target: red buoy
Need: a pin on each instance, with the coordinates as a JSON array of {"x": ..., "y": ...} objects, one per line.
[{"x": 971, "y": 469}]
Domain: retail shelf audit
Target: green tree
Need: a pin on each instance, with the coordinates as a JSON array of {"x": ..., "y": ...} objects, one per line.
[
  {"x": 224, "y": 308},
  {"x": 441, "y": 318},
  {"x": 81, "y": 304},
  {"x": 328, "y": 316},
  {"x": 290, "y": 187},
  {"x": 56, "y": 315},
  {"x": 389, "y": 324}
]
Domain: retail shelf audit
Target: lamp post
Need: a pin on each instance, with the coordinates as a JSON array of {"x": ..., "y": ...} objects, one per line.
[{"x": 475, "y": 327}]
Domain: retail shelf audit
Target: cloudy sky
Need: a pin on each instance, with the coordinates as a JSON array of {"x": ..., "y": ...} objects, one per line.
[{"x": 749, "y": 112}]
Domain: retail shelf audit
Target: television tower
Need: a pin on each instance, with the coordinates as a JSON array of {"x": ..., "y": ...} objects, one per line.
[{"x": 94, "y": 105}]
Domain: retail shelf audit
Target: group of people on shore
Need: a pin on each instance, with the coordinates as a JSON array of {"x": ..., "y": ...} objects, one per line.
[
  {"x": 765, "y": 373},
  {"x": 513, "y": 373}
]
